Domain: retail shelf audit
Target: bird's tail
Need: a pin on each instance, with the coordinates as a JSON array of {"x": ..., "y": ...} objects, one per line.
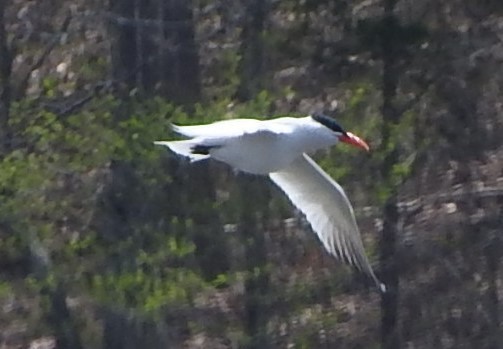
[{"x": 184, "y": 148}]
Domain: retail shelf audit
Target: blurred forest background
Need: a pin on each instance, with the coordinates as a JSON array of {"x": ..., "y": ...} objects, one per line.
[{"x": 107, "y": 241}]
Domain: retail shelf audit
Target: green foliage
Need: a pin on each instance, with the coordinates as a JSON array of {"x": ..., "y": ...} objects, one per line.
[
  {"x": 221, "y": 280},
  {"x": 51, "y": 184},
  {"x": 147, "y": 122},
  {"x": 225, "y": 75},
  {"x": 147, "y": 290},
  {"x": 5, "y": 289},
  {"x": 49, "y": 86}
]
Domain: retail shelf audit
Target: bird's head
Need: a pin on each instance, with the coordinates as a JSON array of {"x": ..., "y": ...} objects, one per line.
[{"x": 341, "y": 134}]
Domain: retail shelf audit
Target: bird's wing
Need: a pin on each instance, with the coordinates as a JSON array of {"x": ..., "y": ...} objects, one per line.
[
  {"x": 219, "y": 134},
  {"x": 229, "y": 129},
  {"x": 327, "y": 209}
]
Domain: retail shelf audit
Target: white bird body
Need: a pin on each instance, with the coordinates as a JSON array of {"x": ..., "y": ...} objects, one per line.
[
  {"x": 279, "y": 148},
  {"x": 243, "y": 143}
]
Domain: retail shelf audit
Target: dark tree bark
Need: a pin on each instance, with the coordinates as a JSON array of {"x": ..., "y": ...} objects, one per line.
[
  {"x": 155, "y": 48},
  {"x": 208, "y": 236},
  {"x": 252, "y": 50},
  {"x": 5, "y": 81},
  {"x": 492, "y": 255},
  {"x": 389, "y": 299},
  {"x": 179, "y": 66},
  {"x": 127, "y": 330},
  {"x": 390, "y": 114},
  {"x": 257, "y": 282},
  {"x": 124, "y": 50},
  {"x": 58, "y": 314}
]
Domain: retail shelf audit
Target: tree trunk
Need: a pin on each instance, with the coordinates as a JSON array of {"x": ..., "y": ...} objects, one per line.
[
  {"x": 492, "y": 255},
  {"x": 389, "y": 299},
  {"x": 65, "y": 331},
  {"x": 208, "y": 235},
  {"x": 5, "y": 82},
  {"x": 179, "y": 65},
  {"x": 252, "y": 50},
  {"x": 257, "y": 281},
  {"x": 124, "y": 50},
  {"x": 58, "y": 315},
  {"x": 155, "y": 48}
]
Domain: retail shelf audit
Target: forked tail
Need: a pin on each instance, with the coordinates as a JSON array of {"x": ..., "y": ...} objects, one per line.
[{"x": 187, "y": 148}]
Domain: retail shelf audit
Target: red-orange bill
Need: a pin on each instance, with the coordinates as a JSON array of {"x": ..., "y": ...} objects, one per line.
[{"x": 352, "y": 139}]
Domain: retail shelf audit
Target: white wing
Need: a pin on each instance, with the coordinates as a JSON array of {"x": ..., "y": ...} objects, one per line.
[
  {"x": 221, "y": 133},
  {"x": 231, "y": 128},
  {"x": 327, "y": 209},
  {"x": 215, "y": 134}
]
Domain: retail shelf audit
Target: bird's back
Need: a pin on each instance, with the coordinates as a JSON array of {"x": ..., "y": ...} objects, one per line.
[{"x": 268, "y": 146}]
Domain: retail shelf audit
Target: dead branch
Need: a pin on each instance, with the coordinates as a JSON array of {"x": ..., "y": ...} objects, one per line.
[{"x": 25, "y": 74}]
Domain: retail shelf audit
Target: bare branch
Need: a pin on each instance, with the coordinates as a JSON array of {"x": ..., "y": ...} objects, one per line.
[
  {"x": 20, "y": 90},
  {"x": 414, "y": 100},
  {"x": 106, "y": 85},
  {"x": 86, "y": 99}
]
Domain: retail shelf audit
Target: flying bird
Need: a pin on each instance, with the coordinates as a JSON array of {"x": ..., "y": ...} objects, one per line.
[{"x": 279, "y": 148}]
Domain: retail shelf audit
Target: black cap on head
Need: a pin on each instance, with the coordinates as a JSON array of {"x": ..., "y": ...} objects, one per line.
[{"x": 328, "y": 122}]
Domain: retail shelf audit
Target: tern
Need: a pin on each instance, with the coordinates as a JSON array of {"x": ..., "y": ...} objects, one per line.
[{"x": 279, "y": 148}]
